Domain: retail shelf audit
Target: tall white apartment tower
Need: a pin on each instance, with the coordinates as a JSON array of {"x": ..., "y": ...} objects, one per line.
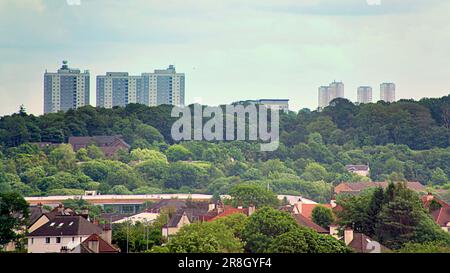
[
  {"x": 324, "y": 97},
  {"x": 66, "y": 89},
  {"x": 118, "y": 89},
  {"x": 336, "y": 90},
  {"x": 364, "y": 94},
  {"x": 164, "y": 86},
  {"x": 387, "y": 92},
  {"x": 329, "y": 93}
]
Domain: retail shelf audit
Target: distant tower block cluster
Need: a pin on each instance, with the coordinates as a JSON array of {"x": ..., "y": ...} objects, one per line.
[
  {"x": 164, "y": 86},
  {"x": 329, "y": 93},
  {"x": 364, "y": 94},
  {"x": 387, "y": 92},
  {"x": 69, "y": 89},
  {"x": 66, "y": 89}
]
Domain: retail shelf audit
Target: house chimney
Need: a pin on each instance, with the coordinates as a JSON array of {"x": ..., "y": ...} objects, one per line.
[
  {"x": 348, "y": 236},
  {"x": 334, "y": 231},
  {"x": 251, "y": 209},
  {"x": 429, "y": 196},
  {"x": 85, "y": 211},
  {"x": 60, "y": 208},
  {"x": 298, "y": 205},
  {"x": 93, "y": 245},
  {"x": 107, "y": 234},
  {"x": 220, "y": 208},
  {"x": 333, "y": 203}
]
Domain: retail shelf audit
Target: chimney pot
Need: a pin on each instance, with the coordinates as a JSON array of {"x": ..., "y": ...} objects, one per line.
[
  {"x": 251, "y": 209},
  {"x": 348, "y": 236}
]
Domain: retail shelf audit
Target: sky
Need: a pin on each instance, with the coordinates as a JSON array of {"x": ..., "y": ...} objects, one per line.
[{"x": 229, "y": 49}]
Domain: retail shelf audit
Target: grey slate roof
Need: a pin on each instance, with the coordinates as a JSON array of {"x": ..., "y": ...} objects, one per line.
[
  {"x": 67, "y": 226},
  {"x": 167, "y": 203},
  {"x": 35, "y": 213}
]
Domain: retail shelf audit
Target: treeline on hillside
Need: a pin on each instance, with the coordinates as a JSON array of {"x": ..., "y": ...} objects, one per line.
[
  {"x": 424, "y": 124},
  {"x": 400, "y": 141}
]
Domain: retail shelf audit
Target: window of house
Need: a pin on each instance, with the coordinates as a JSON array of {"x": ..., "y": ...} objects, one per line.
[
  {"x": 32, "y": 240},
  {"x": 58, "y": 240},
  {"x": 47, "y": 240}
]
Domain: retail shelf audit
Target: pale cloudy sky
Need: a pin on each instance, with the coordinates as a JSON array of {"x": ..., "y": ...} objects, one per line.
[{"x": 229, "y": 49}]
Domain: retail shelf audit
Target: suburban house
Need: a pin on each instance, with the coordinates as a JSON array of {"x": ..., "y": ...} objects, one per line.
[
  {"x": 362, "y": 170},
  {"x": 36, "y": 212},
  {"x": 175, "y": 223},
  {"x": 439, "y": 210},
  {"x": 218, "y": 211},
  {"x": 362, "y": 243},
  {"x": 305, "y": 222},
  {"x": 143, "y": 217},
  {"x": 202, "y": 212},
  {"x": 357, "y": 187},
  {"x": 93, "y": 244},
  {"x": 63, "y": 232},
  {"x": 37, "y": 220},
  {"x": 359, "y": 242},
  {"x": 302, "y": 213},
  {"x": 61, "y": 229},
  {"x": 307, "y": 209},
  {"x": 110, "y": 145}
]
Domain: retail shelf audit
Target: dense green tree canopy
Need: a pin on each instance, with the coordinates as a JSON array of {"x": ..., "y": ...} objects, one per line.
[
  {"x": 246, "y": 195},
  {"x": 305, "y": 240},
  {"x": 322, "y": 216},
  {"x": 264, "y": 226},
  {"x": 13, "y": 216},
  {"x": 206, "y": 237},
  {"x": 393, "y": 217},
  {"x": 400, "y": 141}
]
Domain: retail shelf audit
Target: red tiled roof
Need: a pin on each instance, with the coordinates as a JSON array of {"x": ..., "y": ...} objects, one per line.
[
  {"x": 303, "y": 221},
  {"x": 228, "y": 210},
  {"x": 442, "y": 216},
  {"x": 103, "y": 246},
  {"x": 360, "y": 242},
  {"x": 427, "y": 199},
  {"x": 307, "y": 209}
]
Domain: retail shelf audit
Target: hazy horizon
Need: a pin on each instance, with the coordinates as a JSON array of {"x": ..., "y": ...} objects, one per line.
[{"x": 229, "y": 50}]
